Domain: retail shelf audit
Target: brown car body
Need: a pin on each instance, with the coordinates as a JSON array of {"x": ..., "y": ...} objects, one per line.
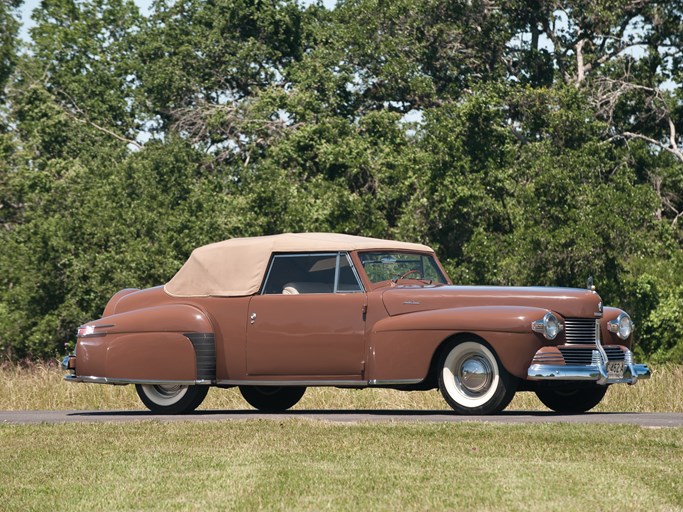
[{"x": 479, "y": 345}]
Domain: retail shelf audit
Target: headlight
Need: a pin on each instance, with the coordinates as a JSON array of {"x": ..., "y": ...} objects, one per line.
[
  {"x": 549, "y": 326},
  {"x": 622, "y": 326}
]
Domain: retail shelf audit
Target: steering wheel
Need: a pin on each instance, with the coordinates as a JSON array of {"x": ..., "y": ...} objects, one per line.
[{"x": 404, "y": 275}]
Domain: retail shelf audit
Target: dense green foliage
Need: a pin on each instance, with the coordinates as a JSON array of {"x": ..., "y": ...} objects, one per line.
[{"x": 529, "y": 142}]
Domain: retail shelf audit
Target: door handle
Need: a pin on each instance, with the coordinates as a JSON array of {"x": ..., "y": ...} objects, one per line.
[{"x": 252, "y": 318}]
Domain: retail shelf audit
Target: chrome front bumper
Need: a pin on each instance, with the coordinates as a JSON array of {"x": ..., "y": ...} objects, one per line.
[
  {"x": 596, "y": 373},
  {"x": 600, "y": 364}
]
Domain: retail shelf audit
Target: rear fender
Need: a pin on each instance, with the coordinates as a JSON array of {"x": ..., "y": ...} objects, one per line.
[
  {"x": 167, "y": 343},
  {"x": 113, "y": 302}
]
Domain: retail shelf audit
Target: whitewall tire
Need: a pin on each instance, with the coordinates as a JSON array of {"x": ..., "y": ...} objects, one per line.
[
  {"x": 472, "y": 380},
  {"x": 171, "y": 399}
]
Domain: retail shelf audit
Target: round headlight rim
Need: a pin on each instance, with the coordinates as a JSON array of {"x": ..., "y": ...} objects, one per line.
[
  {"x": 543, "y": 326},
  {"x": 615, "y": 326}
]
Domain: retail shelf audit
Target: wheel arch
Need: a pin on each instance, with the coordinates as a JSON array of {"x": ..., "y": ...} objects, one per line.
[{"x": 433, "y": 374}]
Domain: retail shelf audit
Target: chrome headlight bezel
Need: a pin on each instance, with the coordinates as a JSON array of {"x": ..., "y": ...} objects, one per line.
[
  {"x": 549, "y": 326},
  {"x": 622, "y": 326}
]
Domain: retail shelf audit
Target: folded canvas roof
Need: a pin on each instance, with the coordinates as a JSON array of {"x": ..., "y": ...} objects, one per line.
[{"x": 236, "y": 267}]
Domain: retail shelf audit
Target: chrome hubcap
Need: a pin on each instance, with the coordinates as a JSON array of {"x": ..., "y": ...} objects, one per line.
[
  {"x": 474, "y": 376},
  {"x": 168, "y": 391}
]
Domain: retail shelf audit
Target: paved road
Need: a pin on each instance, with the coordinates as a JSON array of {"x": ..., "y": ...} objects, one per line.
[{"x": 653, "y": 420}]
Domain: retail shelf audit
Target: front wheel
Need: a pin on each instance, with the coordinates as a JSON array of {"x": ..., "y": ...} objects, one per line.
[
  {"x": 572, "y": 398},
  {"x": 171, "y": 399},
  {"x": 473, "y": 381},
  {"x": 272, "y": 398}
]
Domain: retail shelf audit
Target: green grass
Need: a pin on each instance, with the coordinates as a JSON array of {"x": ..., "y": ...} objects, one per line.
[
  {"x": 314, "y": 465},
  {"x": 307, "y": 465},
  {"x": 36, "y": 386}
]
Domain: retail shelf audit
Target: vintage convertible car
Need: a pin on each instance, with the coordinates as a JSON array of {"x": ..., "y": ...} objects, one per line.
[{"x": 276, "y": 314}]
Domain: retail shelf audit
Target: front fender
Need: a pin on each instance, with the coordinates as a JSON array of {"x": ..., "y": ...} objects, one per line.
[
  {"x": 610, "y": 338},
  {"x": 511, "y": 319},
  {"x": 404, "y": 346}
]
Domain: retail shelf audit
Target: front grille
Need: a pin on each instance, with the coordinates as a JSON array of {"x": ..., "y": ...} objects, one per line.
[
  {"x": 577, "y": 356},
  {"x": 581, "y": 331},
  {"x": 614, "y": 353},
  {"x": 584, "y": 355}
]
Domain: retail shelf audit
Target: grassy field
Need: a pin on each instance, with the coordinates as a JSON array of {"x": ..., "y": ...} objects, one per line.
[
  {"x": 314, "y": 465},
  {"x": 41, "y": 386},
  {"x": 306, "y": 465}
]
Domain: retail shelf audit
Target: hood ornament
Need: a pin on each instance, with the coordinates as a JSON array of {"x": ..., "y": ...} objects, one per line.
[{"x": 589, "y": 284}]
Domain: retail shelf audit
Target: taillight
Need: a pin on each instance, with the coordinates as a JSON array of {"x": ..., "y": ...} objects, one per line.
[{"x": 86, "y": 330}]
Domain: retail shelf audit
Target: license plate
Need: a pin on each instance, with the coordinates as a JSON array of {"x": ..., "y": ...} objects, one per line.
[{"x": 615, "y": 370}]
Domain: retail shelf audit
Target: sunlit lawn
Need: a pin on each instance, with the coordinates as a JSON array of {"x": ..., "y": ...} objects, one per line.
[{"x": 306, "y": 465}]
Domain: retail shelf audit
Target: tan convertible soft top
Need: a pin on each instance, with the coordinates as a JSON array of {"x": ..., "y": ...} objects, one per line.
[{"x": 235, "y": 267}]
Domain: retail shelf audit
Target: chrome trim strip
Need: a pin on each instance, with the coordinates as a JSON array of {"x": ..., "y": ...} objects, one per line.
[
  {"x": 308, "y": 383},
  {"x": 108, "y": 380},
  {"x": 355, "y": 273},
  {"x": 336, "y": 275},
  {"x": 314, "y": 383},
  {"x": 395, "y": 382}
]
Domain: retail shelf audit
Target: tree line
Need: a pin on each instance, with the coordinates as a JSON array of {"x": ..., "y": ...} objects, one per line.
[{"x": 530, "y": 142}]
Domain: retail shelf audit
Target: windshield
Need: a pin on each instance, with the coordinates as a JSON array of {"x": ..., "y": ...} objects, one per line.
[{"x": 392, "y": 265}]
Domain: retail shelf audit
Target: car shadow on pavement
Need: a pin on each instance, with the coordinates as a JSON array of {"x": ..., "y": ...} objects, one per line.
[{"x": 246, "y": 413}]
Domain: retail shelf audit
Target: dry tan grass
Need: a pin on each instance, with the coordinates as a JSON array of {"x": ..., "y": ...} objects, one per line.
[{"x": 36, "y": 386}]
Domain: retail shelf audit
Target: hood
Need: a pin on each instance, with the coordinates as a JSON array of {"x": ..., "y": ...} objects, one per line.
[{"x": 568, "y": 302}]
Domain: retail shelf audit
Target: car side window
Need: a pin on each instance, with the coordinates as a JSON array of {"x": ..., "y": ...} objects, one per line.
[{"x": 294, "y": 274}]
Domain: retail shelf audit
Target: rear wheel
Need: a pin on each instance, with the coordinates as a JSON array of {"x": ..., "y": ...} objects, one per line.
[
  {"x": 572, "y": 398},
  {"x": 272, "y": 398},
  {"x": 473, "y": 381},
  {"x": 171, "y": 399}
]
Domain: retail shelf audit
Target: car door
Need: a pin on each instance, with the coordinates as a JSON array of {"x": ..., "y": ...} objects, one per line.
[{"x": 309, "y": 320}]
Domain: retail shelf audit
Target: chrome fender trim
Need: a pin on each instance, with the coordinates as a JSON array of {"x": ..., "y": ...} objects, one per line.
[
  {"x": 121, "y": 382},
  {"x": 307, "y": 383},
  {"x": 314, "y": 383},
  {"x": 395, "y": 382}
]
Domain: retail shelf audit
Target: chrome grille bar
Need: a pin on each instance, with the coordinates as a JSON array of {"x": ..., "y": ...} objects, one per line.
[{"x": 581, "y": 331}]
